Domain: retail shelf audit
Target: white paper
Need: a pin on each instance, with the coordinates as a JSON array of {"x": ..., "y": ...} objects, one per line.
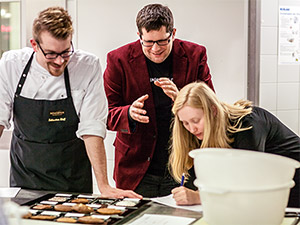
[
  {"x": 9, "y": 192},
  {"x": 86, "y": 196},
  {"x": 63, "y": 195},
  {"x": 101, "y": 217},
  {"x": 94, "y": 205},
  {"x": 69, "y": 203},
  {"x": 150, "y": 219},
  {"x": 122, "y": 208},
  {"x": 74, "y": 214},
  {"x": 289, "y": 35},
  {"x": 169, "y": 201},
  {"x": 51, "y": 213},
  {"x": 49, "y": 203}
]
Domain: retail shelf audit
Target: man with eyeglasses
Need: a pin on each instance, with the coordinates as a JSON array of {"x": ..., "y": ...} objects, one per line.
[
  {"x": 141, "y": 81},
  {"x": 59, "y": 109}
]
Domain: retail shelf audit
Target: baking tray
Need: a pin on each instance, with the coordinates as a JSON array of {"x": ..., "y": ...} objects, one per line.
[{"x": 127, "y": 208}]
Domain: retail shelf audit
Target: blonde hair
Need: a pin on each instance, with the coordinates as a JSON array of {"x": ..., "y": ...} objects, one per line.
[
  {"x": 55, "y": 20},
  {"x": 221, "y": 120}
]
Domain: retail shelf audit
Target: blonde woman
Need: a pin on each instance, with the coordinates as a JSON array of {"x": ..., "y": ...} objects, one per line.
[{"x": 202, "y": 121}]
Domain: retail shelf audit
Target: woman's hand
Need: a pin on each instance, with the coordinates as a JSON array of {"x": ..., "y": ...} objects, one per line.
[{"x": 186, "y": 196}]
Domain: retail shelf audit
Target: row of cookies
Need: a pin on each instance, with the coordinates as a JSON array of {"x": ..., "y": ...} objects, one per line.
[
  {"x": 64, "y": 219},
  {"x": 78, "y": 208},
  {"x": 81, "y": 208},
  {"x": 72, "y": 217},
  {"x": 85, "y": 199},
  {"x": 63, "y": 204}
]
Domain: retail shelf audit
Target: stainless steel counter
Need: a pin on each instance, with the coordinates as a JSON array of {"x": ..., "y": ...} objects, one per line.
[{"x": 25, "y": 196}]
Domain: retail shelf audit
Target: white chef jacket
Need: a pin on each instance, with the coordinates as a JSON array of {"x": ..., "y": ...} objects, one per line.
[{"x": 86, "y": 83}]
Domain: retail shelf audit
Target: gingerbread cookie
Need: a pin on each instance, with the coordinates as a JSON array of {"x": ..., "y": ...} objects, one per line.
[
  {"x": 63, "y": 208},
  {"x": 126, "y": 203},
  {"x": 82, "y": 208},
  {"x": 90, "y": 220},
  {"x": 42, "y": 207},
  {"x": 27, "y": 216},
  {"x": 80, "y": 200},
  {"x": 109, "y": 211},
  {"x": 43, "y": 217},
  {"x": 58, "y": 199},
  {"x": 66, "y": 220}
]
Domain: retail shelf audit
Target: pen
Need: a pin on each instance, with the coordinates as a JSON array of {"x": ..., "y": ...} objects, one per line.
[{"x": 182, "y": 180}]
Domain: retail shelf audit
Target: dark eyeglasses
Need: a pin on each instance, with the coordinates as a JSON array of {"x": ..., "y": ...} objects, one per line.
[
  {"x": 54, "y": 55},
  {"x": 162, "y": 42}
]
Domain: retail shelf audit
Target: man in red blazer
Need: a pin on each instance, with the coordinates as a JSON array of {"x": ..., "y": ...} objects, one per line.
[{"x": 141, "y": 81}]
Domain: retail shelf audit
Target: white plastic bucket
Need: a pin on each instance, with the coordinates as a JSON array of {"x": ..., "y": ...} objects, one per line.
[{"x": 241, "y": 187}]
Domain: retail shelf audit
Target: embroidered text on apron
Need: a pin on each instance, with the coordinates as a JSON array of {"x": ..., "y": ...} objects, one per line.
[{"x": 45, "y": 152}]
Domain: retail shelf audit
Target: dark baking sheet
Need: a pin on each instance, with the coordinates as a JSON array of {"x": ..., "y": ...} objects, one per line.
[{"x": 129, "y": 213}]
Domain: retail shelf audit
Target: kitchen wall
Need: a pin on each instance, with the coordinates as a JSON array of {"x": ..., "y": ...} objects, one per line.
[
  {"x": 29, "y": 11},
  {"x": 219, "y": 25},
  {"x": 279, "y": 84}
]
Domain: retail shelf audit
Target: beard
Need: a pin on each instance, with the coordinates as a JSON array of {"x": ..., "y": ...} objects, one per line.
[{"x": 55, "y": 69}]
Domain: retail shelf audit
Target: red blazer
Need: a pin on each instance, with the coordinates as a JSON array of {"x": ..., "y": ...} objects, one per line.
[{"x": 126, "y": 78}]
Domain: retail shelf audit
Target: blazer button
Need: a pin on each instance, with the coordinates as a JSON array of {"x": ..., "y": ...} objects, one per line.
[
  {"x": 154, "y": 136},
  {"x": 149, "y": 159}
]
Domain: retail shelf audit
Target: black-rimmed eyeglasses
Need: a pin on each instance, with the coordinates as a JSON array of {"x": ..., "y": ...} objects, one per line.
[
  {"x": 162, "y": 42},
  {"x": 54, "y": 55}
]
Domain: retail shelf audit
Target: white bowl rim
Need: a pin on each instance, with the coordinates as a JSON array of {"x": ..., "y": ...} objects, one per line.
[
  {"x": 220, "y": 190},
  {"x": 242, "y": 152}
]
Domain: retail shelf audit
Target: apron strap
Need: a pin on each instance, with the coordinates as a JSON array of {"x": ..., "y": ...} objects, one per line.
[
  {"x": 23, "y": 76},
  {"x": 25, "y": 73},
  {"x": 67, "y": 82}
]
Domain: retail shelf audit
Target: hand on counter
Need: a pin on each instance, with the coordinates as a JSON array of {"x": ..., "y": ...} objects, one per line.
[
  {"x": 186, "y": 196},
  {"x": 110, "y": 192}
]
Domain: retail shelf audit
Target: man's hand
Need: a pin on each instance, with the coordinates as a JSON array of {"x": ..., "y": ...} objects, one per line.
[
  {"x": 168, "y": 87},
  {"x": 186, "y": 196},
  {"x": 110, "y": 192},
  {"x": 137, "y": 112}
]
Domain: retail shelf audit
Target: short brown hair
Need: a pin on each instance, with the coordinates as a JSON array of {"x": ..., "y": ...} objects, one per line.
[
  {"x": 153, "y": 17},
  {"x": 55, "y": 20}
]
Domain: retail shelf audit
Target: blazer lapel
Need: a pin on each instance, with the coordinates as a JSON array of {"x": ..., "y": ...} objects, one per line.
[
  {"x": 179, "y": 65},
  {"x": 138, "y": 64},
  {"x": 141, "y": 76}
]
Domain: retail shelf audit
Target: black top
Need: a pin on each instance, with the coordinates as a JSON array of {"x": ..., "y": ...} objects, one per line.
[
  {"x": 268, "y": 134},
  {"x": 163, "y": 106}
]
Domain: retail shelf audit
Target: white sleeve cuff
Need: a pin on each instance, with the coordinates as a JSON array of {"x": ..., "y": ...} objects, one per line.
[{"x": 91, "y": 127}]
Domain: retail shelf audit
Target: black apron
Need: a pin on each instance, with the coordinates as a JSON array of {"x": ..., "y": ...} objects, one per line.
[{"x": 45, "y": 152}]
